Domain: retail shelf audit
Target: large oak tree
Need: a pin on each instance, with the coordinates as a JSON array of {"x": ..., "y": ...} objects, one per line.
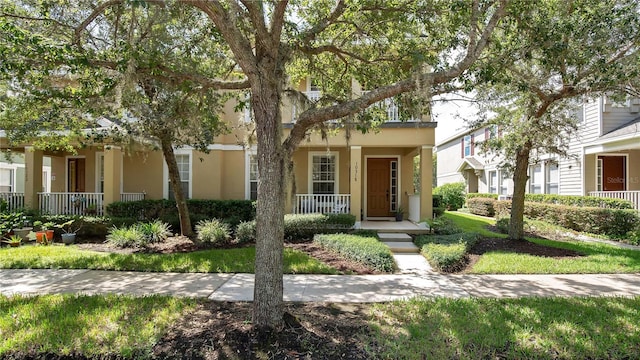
[{"x": 406, "y": 48}]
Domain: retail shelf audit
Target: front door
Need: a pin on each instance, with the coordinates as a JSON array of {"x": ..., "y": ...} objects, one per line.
[
  {"x": 379, "y": 187},
  {"x": 75, "y": 176},
  {"x": 614, "y": 173}
]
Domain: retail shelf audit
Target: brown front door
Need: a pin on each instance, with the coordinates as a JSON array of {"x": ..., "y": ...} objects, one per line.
[
  {"x": 614, "y": 174},
  {"x": 76, "y": 174},
  {"x": 378, "y": 187}
]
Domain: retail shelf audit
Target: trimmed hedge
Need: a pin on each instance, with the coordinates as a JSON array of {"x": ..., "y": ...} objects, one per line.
[
  {"x": 447, "y": 253},
  {"x": 302, "y": 227},
  {"x": 571, "y": 200},
  {"x": 232, "y": 212},
  {"x": 453, "y": 195},
  {"x": 481, "y": 206},
  {"x": 366, "y": 250}
]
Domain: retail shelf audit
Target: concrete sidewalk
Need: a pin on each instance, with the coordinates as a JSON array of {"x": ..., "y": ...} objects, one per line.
[{"x": 317, "y": 288}]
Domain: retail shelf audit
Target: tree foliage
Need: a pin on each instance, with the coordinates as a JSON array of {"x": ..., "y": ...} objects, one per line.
[{"x": 553, "y": 55}]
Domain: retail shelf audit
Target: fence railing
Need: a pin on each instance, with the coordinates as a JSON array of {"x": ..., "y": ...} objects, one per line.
[
  {"x": 633, "y": 196},
  {"x": 70, "y": 203},
  {"x": 14, "y": 200},
  {"x": 317, "y": 203}
]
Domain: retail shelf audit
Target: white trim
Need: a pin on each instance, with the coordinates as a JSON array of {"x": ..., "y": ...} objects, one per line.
[
  {"x": 165, "y": 172},
  {"x": 366, "y": 182},
  {"x": 66, "y": 169},
  {"x": 311, "y": 154},
  {"x": 97, "y": 170},
  {"x": 247, "y": 173}
]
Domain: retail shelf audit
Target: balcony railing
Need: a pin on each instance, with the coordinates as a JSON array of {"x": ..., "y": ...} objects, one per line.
[
  {"x": 69, "y": 203},
  {"x": 633, "y": 196},
  {"x": 322, "y": 203},
  {"x": 14, "y": 200}
]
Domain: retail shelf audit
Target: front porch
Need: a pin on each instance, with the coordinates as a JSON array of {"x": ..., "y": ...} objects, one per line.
[
  {"x": 66, "y": 203},
  {"x": 633, "y": 196}
]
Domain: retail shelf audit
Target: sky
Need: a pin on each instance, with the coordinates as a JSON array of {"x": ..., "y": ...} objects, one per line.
[{"x": 451, "y": 115}]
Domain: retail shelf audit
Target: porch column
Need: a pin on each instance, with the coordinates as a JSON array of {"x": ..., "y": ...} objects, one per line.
[
  {"x": 32, "y": 177},
  {"x": 112, "y": 173},
  {"x": 426, "y": 182},
  {"x": 355, "y": 182}
]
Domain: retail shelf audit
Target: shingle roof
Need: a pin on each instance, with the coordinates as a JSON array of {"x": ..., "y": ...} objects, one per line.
[{"x": 632, "y": 127}]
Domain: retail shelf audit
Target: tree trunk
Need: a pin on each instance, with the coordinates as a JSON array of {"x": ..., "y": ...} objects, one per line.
[
  {"x": 268, "y": 308},
  {"x": 520, "y": 178},
  {"x": 178, "y": 194}
]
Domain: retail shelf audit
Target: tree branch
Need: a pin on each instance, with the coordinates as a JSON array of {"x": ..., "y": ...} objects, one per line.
[
  {"x": 277, "y": 20},
  {"x": 336, "y": 12}
]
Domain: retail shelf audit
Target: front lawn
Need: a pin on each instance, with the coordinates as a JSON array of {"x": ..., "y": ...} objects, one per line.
[
  {"x": 238, "y": 260},
  {"x": 114, "y": 326},
  {"x": 596, "y": 257}
]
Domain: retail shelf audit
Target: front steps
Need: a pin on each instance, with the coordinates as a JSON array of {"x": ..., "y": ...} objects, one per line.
[{"x": 399, "y": 243}]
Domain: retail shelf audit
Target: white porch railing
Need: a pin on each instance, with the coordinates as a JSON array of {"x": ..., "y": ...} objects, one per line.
[
  {"x": 14, "y": 200},
  {"x": 316, "y": 203},
  {"x": 633, "y": 196},
  {"x": 66, "y": 203}
]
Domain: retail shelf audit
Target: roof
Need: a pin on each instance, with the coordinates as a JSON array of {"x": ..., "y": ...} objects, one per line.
[
  {"x": 632, "y": 127},
  {"x": 470, "y": 162}
]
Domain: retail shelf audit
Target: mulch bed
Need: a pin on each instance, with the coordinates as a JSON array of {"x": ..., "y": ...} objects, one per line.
[
  {"x": 221, "y": 330},
  {"x": 333, "y": 259}
]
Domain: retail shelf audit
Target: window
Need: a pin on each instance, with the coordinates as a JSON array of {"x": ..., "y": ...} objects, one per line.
[
  {"x": 184, "y": 165},
  {"x": 504, "y": 182},
  {"x": 491, "y": 132},
  {"x": 599, "y": 175},
  {"x": 6, "y": 180},
  {"x": 323, "y": 174},
  {"x": 467, "y": 146},
  {"x": 552, "y": 178},
  {"x": 493, "y": 182},
  {"x": 535, "y": 179},
  {"x": 253, "y": 177}
]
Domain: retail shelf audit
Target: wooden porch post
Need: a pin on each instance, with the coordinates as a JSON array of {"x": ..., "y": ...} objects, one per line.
[
  {"x": 355, "y": 182},
  {"x": 112, "y": 173},
  {"x": 426, "y": 182},
  {"x": 33, "y": 177}
]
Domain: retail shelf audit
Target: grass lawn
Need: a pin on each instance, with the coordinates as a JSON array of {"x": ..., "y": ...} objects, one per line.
[
  {"x": 541, "y": 328},
  {"x": 89, "y": 325},
  {"x": 598, "y": 258},
  {"x": 574, "y": 328},
  {"x": 240, "y": 260}
]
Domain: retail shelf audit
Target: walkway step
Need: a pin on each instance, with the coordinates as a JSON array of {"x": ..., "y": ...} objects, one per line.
[
  {"x": 394, "y": 237},
  {"x": 402, "y": 247}
]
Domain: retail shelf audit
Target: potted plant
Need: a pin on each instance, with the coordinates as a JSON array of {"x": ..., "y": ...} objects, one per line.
[
  {"x": 45, "y": 234},
  {"x": 22, "y": 228},
  {"x": 14, "y": 241},
  {"x": 399, "y": 213},
  {"x": 69, "y": 231}
]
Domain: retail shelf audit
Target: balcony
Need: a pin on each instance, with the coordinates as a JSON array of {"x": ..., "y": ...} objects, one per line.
[
  {"x": 322, "y": 203},
  {"x": 633, "y": 196}
]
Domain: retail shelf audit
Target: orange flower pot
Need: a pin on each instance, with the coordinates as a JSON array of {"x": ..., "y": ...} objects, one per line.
[
  {"x": 49, "y": 235},
  {"x": 41, "y": 237}
]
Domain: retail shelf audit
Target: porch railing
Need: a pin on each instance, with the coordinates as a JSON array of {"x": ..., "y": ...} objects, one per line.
[
  {"x": 322, "y": 203},
  {"x": 14, "y": 200},
  {"x": 633, "y": 196},
  {"x": 68, "y": 203}
]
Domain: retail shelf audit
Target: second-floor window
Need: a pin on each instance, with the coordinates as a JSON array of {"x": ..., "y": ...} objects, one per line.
[
  {"x": 323, "y": 174},
  {"x": 467, "y": 146}
]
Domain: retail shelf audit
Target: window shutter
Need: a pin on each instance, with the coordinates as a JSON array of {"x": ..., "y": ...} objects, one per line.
[
  {"x": 472, "y": 145},
  {"x": 487, "y": 133},
  {"x": 462, "y": 147}
]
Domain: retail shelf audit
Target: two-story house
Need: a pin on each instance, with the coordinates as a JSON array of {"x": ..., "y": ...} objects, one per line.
[
  {"x": 604, "y": 157},
  {"x": 369, "y": 175}
]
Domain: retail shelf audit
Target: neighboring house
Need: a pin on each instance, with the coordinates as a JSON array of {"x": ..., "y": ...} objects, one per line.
[
  {"x": 368, "y": 175},
  {"x": 604, "y": 157}
]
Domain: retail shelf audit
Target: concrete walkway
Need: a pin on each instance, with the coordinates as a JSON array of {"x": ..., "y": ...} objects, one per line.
[{"x": 316, "y": 288}]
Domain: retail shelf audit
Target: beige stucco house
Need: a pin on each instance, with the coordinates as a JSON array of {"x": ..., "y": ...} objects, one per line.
[{"x": 368, "y": 175}]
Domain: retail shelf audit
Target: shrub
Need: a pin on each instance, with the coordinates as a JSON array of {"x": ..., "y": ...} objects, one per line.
[
  {"x": 90, "y": 226},
  {"x": 444, "y": 226},
  {"x": 575, "y": 200},
  {"x": 301, "y": 227},
  {"x": 502, "y": 208},
  {"x": 502, "y": 224},
  {"x": 481, "y": 195},
  {"x": 155, "y": 231},
  {"x": 366, "y": 250},
  {"x": 365, "y": 233},
  {"x": 633, "y": 236},
  {"x": 246, "y": 232},
  {"x": 453, "y": 195},
  {"x": 481, "y": 206},
  {"x": 212, "y": 232},
  {"x": 127, "y": 237},
  {"x": 469, "y": 239},
  {"x": 446, "y": 258}
]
